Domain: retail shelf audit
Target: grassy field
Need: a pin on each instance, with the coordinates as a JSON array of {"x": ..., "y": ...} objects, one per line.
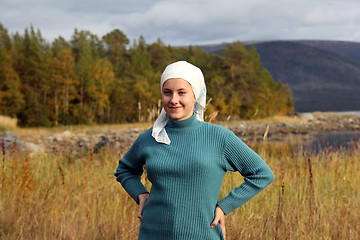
[
  {"x": 7, "y": 123},
  {"x": 62, "y": 196}
]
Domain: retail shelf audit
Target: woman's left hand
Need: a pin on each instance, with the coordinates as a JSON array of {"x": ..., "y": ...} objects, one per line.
[
  {"x": 219, "y": 218},
  {"x": 142, "y": 198}
]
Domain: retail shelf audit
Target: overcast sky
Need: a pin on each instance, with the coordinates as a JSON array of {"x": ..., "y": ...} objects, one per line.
[{"x": 189, "y": 21}]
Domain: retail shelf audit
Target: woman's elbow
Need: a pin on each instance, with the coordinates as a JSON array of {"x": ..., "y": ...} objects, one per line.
[{"x": 270, "y": 177}]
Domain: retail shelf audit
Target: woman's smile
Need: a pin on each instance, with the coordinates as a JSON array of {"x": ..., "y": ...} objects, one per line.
[{"x": 174, "y": 108}]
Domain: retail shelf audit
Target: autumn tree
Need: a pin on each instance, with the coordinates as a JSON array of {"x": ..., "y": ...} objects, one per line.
[
  {"x": 104, "y": 80},
  {"x": 99, "y": 93},
  {"x": 63, "y": 85}
]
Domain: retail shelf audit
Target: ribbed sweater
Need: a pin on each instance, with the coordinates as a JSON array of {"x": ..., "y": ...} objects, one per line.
[{"x": 186, "y": 178}]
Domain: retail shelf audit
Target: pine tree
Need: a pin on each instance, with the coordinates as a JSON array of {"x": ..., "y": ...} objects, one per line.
[
  {"x": 116, "y": 42},
  {"x": 33, "y": 72},
  {"x": 84, "y": 61},
  {"x": 11, "y": 98},
  {"x": 160, "y": 55},
  {"x": 92, "y": 80},
  {"x": 235, "y": 59}
]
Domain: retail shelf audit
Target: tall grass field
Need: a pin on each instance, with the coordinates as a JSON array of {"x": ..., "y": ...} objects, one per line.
[
  {"x": 63, "y": 196},
  {"x": 7, "y": 123}
]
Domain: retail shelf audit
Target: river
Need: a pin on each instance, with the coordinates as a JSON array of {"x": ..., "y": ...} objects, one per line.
[{"x": 334, "y": 141}]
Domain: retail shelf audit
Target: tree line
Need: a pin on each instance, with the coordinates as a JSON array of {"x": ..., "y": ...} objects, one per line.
[{"x": 92, "y": 80}]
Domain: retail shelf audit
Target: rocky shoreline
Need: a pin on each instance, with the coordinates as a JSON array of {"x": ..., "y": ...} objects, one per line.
[
  {"x": 307, "y": 123},
  {"x": 248, "y": 131}
]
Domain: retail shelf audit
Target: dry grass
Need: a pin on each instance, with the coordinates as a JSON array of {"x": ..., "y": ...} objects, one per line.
[
  {"x": 266, "y": 121},
  {"x": 82, "y": 128},
  {"x": 145, "y": 125},
  {"x": 334, "y": 114},
  {"x": 7, "y": 123},
  {"x": 282, "y": 118},
  {"x": 61, "y": 196}
]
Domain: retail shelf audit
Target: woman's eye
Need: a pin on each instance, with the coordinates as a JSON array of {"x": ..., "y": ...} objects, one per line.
[{"x": 182, "y": 93}]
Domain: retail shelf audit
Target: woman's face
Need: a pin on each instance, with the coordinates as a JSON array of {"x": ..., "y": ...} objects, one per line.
[{"x": 178, "y": 99}]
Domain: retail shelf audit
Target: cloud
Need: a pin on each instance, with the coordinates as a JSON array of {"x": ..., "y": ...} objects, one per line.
[{"x": 189, "y": 22}]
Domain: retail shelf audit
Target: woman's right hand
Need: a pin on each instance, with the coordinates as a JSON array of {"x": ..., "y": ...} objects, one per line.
[
  {"x": 219, "y": 219},
  {"x": 142, "y": 200}
]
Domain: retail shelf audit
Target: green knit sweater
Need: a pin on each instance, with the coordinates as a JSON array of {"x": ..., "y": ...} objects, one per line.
[{"x": 186, "y": 178}]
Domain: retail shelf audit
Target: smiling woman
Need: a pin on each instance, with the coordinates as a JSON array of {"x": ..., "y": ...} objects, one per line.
[{"x": 187, "y": 172}]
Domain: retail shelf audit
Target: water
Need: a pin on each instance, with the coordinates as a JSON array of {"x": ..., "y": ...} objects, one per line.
[{"x": 318, "y": 142}]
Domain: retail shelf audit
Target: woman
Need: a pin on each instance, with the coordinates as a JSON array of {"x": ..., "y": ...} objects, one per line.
[{"x": 186, "y": 160}]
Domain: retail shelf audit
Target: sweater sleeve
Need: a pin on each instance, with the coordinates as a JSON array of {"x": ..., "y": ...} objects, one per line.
[
  {"x": 129, "y": 171},
  {"x": 257, "y": 174}
]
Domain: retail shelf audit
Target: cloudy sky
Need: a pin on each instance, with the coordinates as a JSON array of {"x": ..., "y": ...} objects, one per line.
[{"x": 184, "y": 22}]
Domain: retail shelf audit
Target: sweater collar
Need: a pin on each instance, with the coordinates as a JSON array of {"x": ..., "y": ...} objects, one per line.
[{"x": 187, "y": 124}]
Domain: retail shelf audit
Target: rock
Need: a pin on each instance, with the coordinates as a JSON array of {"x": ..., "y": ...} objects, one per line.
[
  {"x": 122, "y": 139},
  {"x": 67, "y": 134},
  {"x": 308, "y": 116},
  {"x": 104, "y": 142},
  {"x": 11, "y": 142},
  {"x": 10, "y": 136},
  {"x": 32, "y": 148},
  {"x": 57, "y": 138}
]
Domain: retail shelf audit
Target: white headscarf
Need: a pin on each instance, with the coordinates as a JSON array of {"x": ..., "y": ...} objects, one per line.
[{"x": 195, "y": 77}]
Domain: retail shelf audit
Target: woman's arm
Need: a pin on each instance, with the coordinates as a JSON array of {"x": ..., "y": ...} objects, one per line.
[
  {"x": 257, "y": 174},
  {"x": 129, "y": 172}
]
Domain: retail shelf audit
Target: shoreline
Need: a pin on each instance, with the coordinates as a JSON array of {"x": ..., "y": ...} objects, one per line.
[
  {"x": 84, "y": 139},
  {"x": 300, "y": 124}
]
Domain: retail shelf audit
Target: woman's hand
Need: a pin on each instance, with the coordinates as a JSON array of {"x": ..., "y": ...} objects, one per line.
[
  {"x": 142, "y": 198},
  {"x": 219, "y": 218}
]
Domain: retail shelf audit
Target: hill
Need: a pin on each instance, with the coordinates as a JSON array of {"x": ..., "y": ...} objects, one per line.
[
  {"x": 323, "y": 75},
  {"x": 347, "y": 49}
]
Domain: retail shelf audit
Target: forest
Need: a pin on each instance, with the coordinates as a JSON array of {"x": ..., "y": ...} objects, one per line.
[{"x": 108, "y": 79}]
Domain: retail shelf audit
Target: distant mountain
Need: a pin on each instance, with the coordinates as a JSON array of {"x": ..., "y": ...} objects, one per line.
[
  {"x": 323, "y": 75},
  {"x": 347, "y": 49}
]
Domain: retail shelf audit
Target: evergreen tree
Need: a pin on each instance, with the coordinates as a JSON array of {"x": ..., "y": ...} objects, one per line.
[
  {"x": 116, "y": 42},
  {"x": 92, "y": 80},
  {"x": 160, "y": 56},
  {"x": 235, "y": 59},
  {"x": 84, "y": 61},
  {"x": 33, "y": 72},
  {"x": 140, "y": 82},
  {"x": 11, "y": 98}
]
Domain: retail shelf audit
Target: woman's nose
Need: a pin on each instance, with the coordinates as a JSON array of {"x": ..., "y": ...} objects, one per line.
[{"x": 174, "y": 98}]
